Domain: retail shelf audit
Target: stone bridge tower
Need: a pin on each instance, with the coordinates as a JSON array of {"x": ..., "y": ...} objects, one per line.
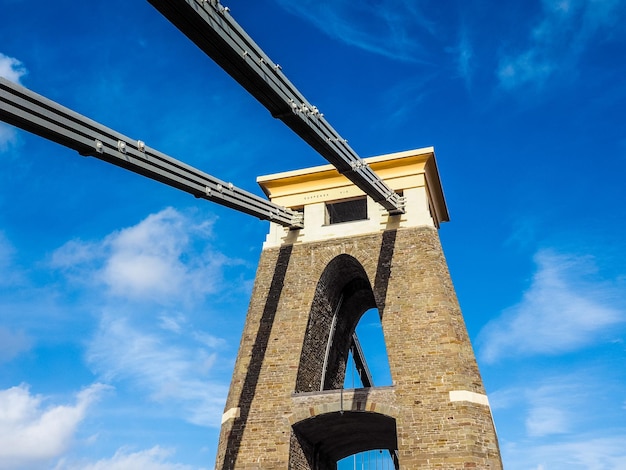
[{"x": 286, "y": 408}]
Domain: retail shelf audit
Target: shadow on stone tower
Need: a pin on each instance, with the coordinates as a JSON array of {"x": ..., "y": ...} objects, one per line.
[{"x": 286, "y": 408}]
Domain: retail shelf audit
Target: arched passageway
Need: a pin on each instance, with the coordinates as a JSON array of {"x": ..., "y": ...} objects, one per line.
[{"x": 340, "y": 434}]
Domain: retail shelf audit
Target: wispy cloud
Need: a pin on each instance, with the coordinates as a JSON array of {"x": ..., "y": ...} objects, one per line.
[
  {"x": 564, "y": 309},
  {"x": 527, "y": 67},
  {"x": 8, "y": 137},
  {"x": 154, "y": 274},
  {"x": 142, "y": 287},
  {"x": 464, "y": 57},
  {"x": 31, "y": 433},
  {"x": 167, "y": 367},
  {"x": 11, "y": 69},
  {"x": 173, "y": 323},
  {"x": 552, "y": 413},
  {"x": 557, "y": 41},
  {"x": 13, "y": 343},
  {"x": 161, "y": 259},
  {"x": 155, "y": 458},
  {"x": 553, "y": 407},
  {"x": 8, "y": 272},
  {"x": 584, "y": 452},
  {"x": 403, "y": 99},
  {"x": 523, "y": 232},
  {"x": 391, "y": 29}
]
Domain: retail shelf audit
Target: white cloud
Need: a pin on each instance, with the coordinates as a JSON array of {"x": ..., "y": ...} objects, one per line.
[
  {"x": 505, "y": 398},
  {"x": 209, "y": 340},
  {"x": 158, "y": 259},
  {"x": 558, "y": 40},
  {"x": 164, "y": 259},
  {"x": 554, "y": 407},
  {"x": 146, "y": 259},
  {"x": 31, "y": 433},
  {"x": 76, "y": 253},
  {"x": 169, "y": 372},
  {"x": 12, "y": 343},
  {"x": 561, "y": 311},
  {"x": 391, "y": 28},
  {"x": 464, "y": 57},
  {"x": 173, "y": 323},
  {"x": 9, "y": 275},
  {"x": 560, "y": 413},
  {"x": 155, "y": 458},
  {"x": 523, "y": 232},
  {"x": 545, "y": 420},
  {"x": 8, "y": 137},
  {"x": 13, "y": 275},
  {"x": 583, "y": 452},
  {"x": 527, "y": 67},
  {"x": 11, "y": 69}
]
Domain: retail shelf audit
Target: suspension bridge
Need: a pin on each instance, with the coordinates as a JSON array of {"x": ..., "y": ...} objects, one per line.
[{"x": 292, "y": 391}]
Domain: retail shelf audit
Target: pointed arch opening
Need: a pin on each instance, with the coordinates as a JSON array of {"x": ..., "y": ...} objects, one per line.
[
  {"x": 372, "y": 368},
  {"x": 343, "y": 293},
  {"x": 344, "y": 332}
]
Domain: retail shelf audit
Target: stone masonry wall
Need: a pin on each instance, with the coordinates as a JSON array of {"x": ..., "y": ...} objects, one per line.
[{"x": 429, "y": 355}]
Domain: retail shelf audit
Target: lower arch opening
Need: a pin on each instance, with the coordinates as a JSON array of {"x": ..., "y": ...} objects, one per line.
[{"x": 320, "y": 442}]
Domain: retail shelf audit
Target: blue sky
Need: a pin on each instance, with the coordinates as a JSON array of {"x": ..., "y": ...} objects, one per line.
[{"x": 122, "y": 301}]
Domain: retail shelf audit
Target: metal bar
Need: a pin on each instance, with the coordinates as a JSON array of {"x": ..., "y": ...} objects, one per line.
[
  {"x": 393, "y": 453},
  {"x": 360, "y": 363},
  {"x": 34, "y": 113},
  {"x": 209, "y": 25},
  {"x": 329, "y": 341}
]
